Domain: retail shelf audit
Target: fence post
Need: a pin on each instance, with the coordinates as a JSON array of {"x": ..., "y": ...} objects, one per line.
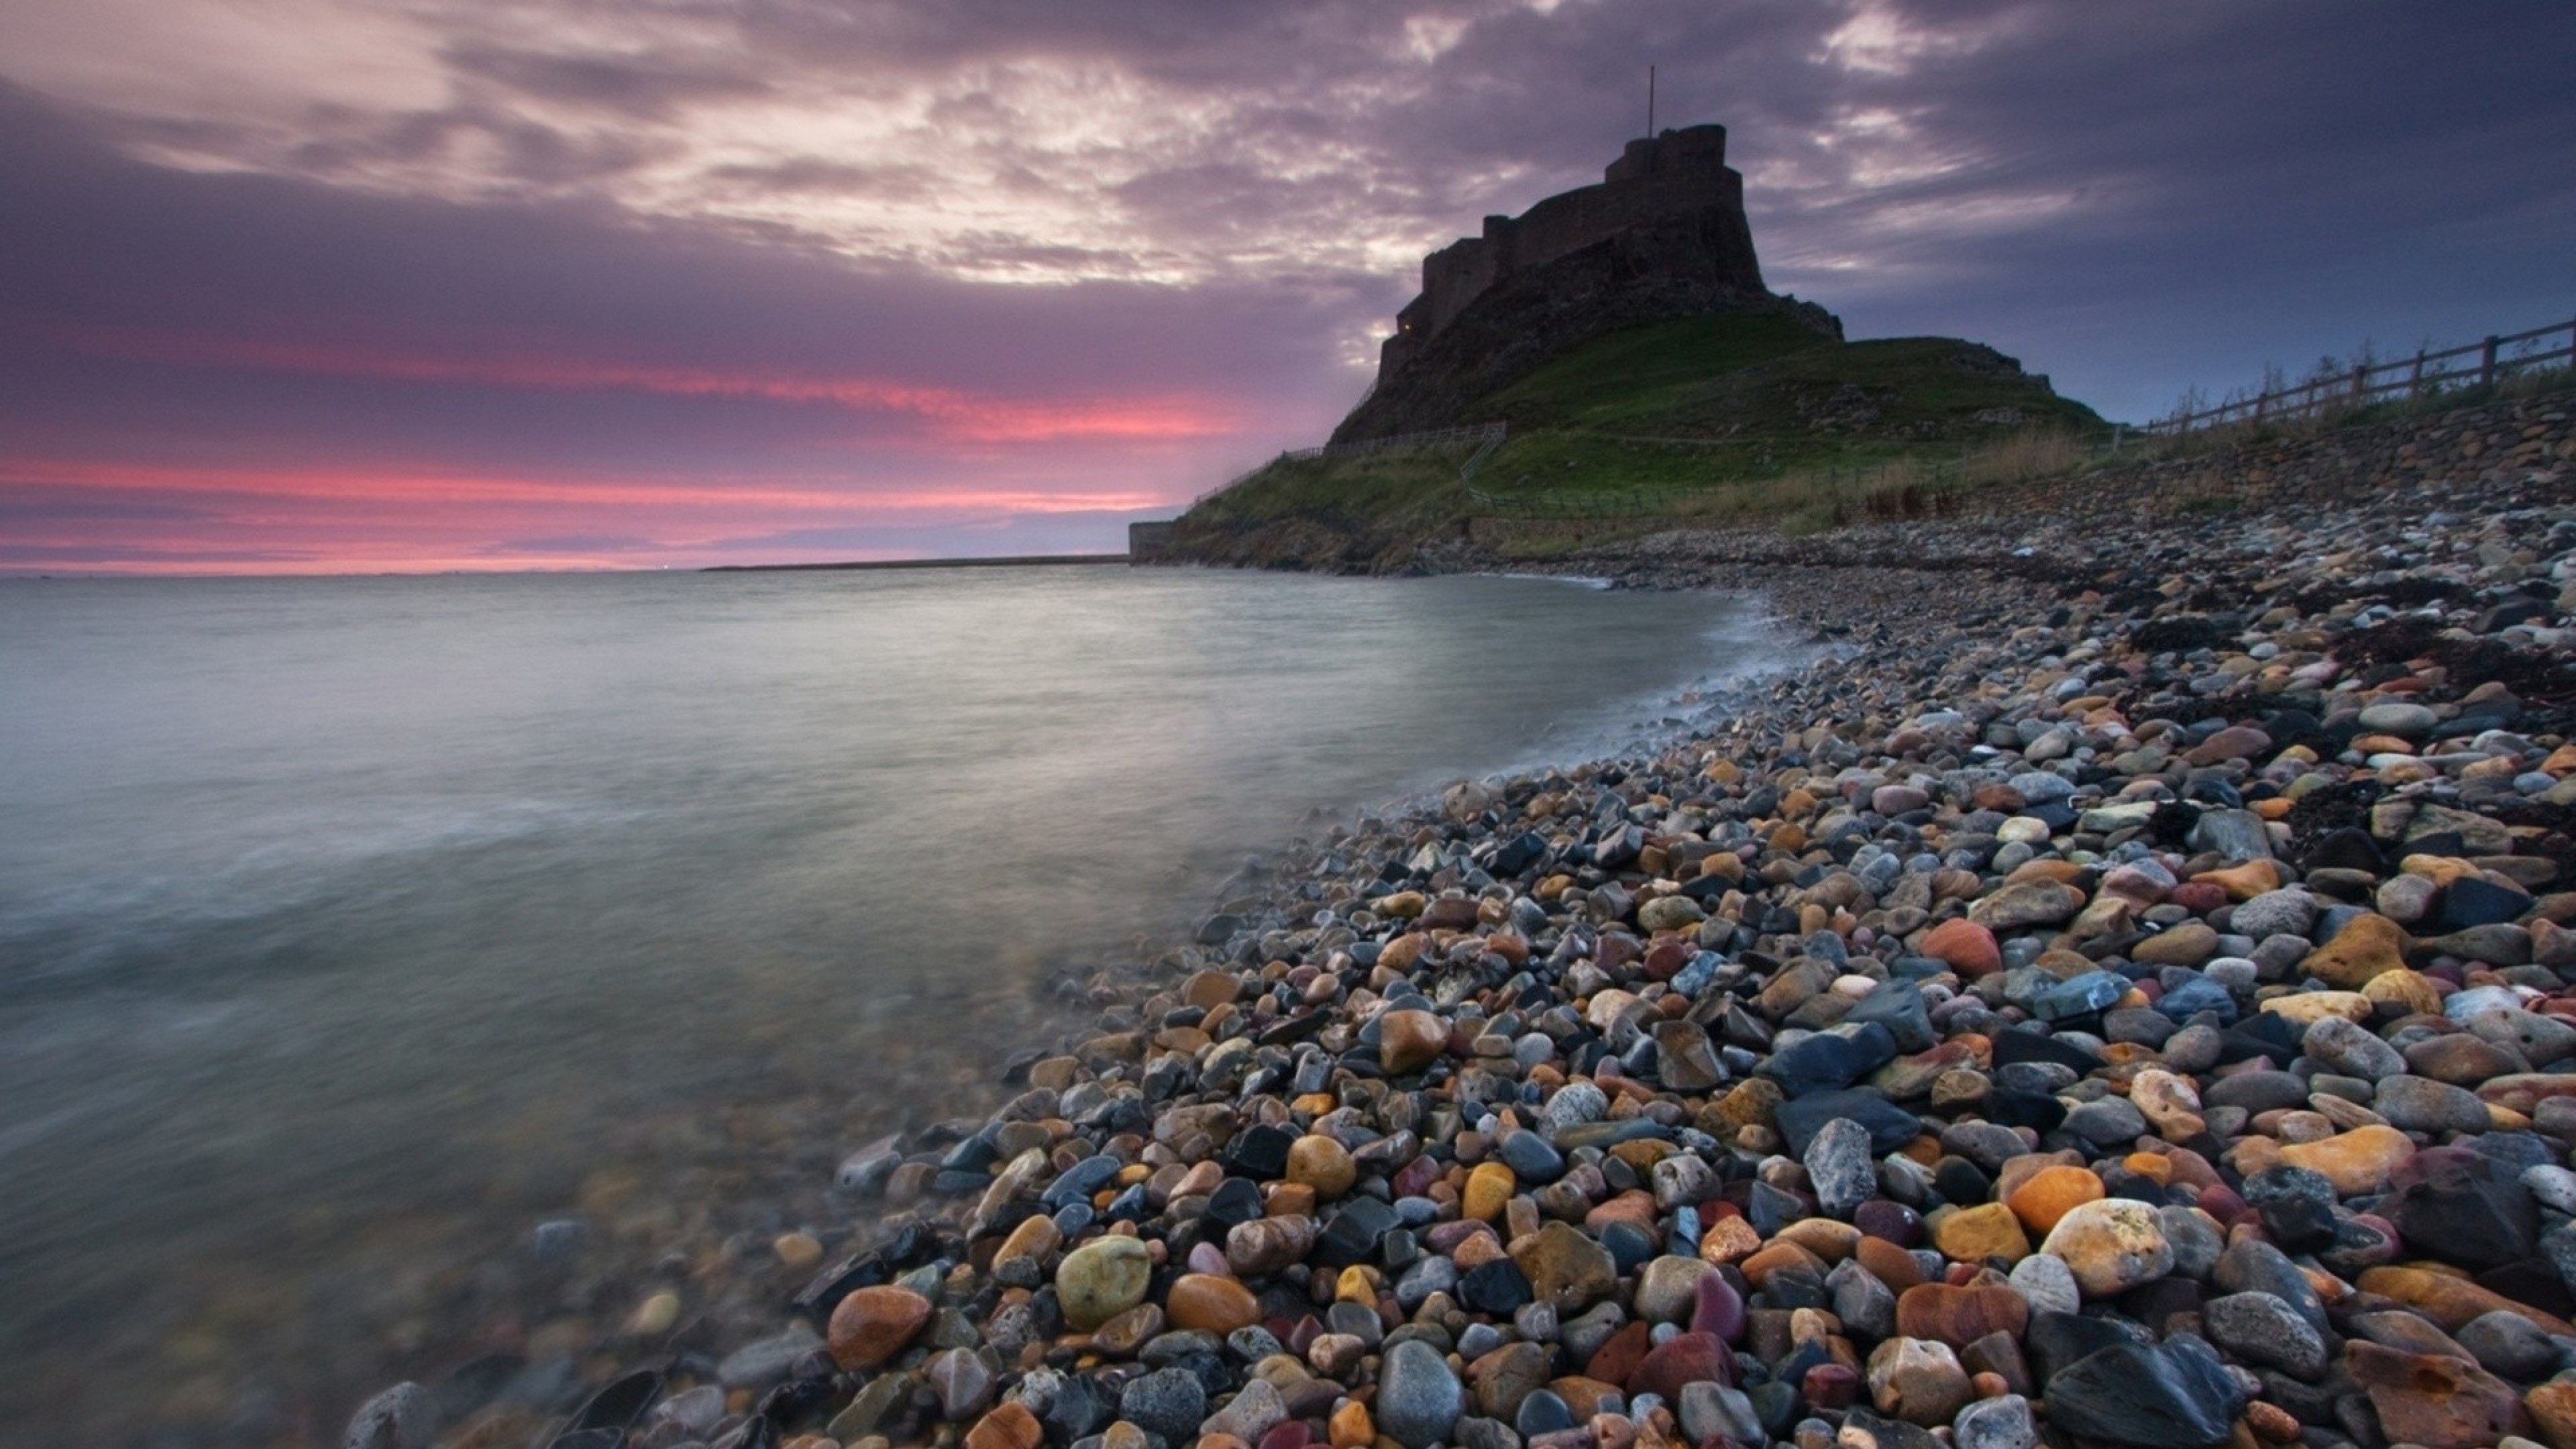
[
  {"x": 2360, "y": 384},
  {"x": 2415, "y": 379},
  {"x": 2487, "y": 362}
]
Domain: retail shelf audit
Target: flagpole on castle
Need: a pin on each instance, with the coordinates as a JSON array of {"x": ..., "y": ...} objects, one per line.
[{"x": 1650, "y": 103}]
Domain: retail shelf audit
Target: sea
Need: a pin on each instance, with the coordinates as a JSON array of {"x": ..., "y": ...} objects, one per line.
[{"x": 351, "y": 928}]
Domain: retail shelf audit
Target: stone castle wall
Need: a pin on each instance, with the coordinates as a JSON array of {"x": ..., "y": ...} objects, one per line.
[{"x": 1676, "y": 177}]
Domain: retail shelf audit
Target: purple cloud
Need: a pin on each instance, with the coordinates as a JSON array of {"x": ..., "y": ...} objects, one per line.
[{"x": 1088, "y": 257}]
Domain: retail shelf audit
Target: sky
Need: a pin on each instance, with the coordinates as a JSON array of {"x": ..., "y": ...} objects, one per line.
[{"x": 294, "y": 286}]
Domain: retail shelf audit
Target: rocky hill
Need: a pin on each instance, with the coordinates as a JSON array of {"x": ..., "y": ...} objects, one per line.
[
  {"x": 1636, "y": 279},
  {"x": 1747, "y": 415},
  {"x": 1623, "y": 334}
]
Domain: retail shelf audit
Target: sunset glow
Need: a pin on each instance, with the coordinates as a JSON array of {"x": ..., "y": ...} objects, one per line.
[
  {"x": 351, "y": 520},
  {"x": 946, "y": 413},
  {"x": 300, "y": 285}
]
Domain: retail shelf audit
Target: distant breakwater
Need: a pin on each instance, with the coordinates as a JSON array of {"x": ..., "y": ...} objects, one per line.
[{"x": 1038, "y": 560}]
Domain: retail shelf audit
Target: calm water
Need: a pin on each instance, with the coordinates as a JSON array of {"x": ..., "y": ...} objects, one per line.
[{"x": 346, "y": 923}]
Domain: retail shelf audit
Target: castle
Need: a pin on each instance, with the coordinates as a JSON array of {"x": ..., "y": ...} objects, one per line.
[
  {"x": 1662, "y": 236},
  {"x": 1679, "y": 176}
]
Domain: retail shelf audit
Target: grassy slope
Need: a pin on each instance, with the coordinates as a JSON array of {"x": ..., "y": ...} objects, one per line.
[{"x": 1742, "y": 418}]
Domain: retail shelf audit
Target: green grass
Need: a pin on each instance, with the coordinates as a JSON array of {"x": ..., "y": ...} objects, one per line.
[
  {"x": 1380, "y": 485},
  {"x": 1753, "y": 417},
  {"x": 1646, "y": 372},
  {"x": 1739, "y": 419}
]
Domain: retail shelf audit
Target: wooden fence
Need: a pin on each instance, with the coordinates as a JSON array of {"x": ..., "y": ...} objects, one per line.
[{"x": 2425, "y": 375}]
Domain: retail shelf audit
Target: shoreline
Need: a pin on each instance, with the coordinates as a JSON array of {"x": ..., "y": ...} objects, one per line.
[{"x": 2038, "y": 863}]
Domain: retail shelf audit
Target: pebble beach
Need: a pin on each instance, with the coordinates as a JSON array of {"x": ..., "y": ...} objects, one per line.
[{"x": 2122, "y": 992}]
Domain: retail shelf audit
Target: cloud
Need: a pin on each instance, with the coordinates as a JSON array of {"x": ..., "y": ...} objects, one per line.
[
  {"x": 951, "y": 414},
  {"x": 119, "y": 557},
  {"x": 564, "y": 543},
  {"x": 493, "y": 151},
  {"x": 1112, "y": 249},
  {"x": 815, "y": 174},
  {"x": 648, "y": 86},
  {"x": 205, "y": 349}
]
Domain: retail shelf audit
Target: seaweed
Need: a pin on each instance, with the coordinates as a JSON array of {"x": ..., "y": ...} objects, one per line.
[
  {"x": 2182, "y": 633},
  {"x": 2395, "y": 642},
  {"x": 2321, "y": 812},
  {"x": 2530, "y": 675}
]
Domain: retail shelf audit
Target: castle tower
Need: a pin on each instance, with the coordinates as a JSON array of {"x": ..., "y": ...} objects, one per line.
[{"x": 1676, "y": 182}]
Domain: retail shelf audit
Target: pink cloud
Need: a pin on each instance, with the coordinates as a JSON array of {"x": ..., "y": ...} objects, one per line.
[
  {"x": 385, "y": 517},
  {"x": 949, "y": 413},
  {"x": 394, "y": 485}
]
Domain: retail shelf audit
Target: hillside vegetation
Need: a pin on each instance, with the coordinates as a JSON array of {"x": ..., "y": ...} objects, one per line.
[{"x": 1740, "y": 418}]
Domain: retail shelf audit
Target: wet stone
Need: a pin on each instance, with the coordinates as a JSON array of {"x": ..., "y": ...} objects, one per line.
[
  {"x": 873, "y": 1324},
  {"x": 2261, "y": 1329},
  {"x": 1167, "y": 1402},
  {"x": 1997, "y": 1423},
  {"x": 2256, "y": 1091},
  {"x": 1352, "y": 1233},
  {"x": 963, "y": 1382},
  {"x": 402, "y": 1417},
  {"x": 2080, "y": 997},
  {"x": 1575, "y": 1103},
  {"x": 1542, "y": 1412},
  {"x": 1828, "y": 1061},
  {"x": 1102, "y": 1279},
  {"x": 1918, "y": 1381},
  {"x": 2507, "y": 1343},
  {"x": 2470, "y": 902},
  {"x": 1890, "y": 1126},
  {"x": 1496, "y": 1287},
  {"x": 1531, "y": 1158},
  {"x": 1259, "y": 1152},
  {"x": 1899, "y": 1007},
  {"x": 2470, "y": 1211},
  {"x": 1419, "y": 1398},
  {"x": 765, "y": 1361},
  {"x": 2435, "y": 1400},
  {"x": 2253, "y": 1266},
  {"x": 2339, "y": 1045},
  {"x": 2297, "y": 1207},
  {"x": 1840, "y": 1167},
  {"x": 1863, "y": 1429},
  {"x": 1565, "y": 1267},
  {"x": 1685, "y": 1058},
  {"x": 2111, "y": 1246},
  {"x": 1714, "y": 1411},
  {"x": 2175, "y": 1395},
  {"x": 1682, "y": 1359},
  {"x": 2107, "y": 1122}
]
